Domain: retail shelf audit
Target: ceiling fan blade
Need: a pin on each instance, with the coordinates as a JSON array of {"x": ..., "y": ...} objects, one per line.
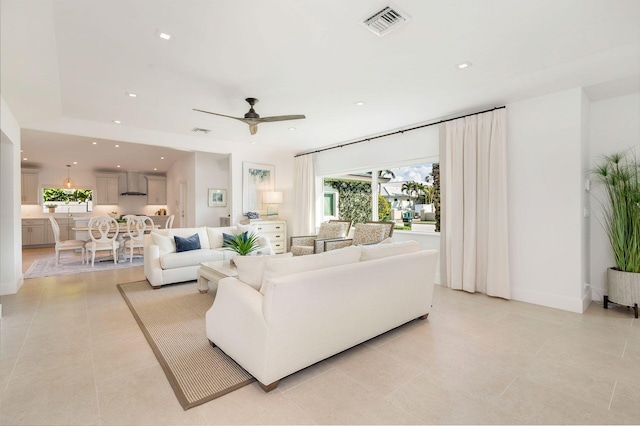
[
  {"x": 221, "y": 115},
  {"x": 280, "y": 118}
]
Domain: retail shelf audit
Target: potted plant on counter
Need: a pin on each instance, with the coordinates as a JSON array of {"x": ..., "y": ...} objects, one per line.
[
  {"x": 619, "y": 174},
  {"x": 51, "y": 207}
]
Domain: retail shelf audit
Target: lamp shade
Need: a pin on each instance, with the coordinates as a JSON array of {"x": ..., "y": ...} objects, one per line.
[{"x": 272, "y": 197}]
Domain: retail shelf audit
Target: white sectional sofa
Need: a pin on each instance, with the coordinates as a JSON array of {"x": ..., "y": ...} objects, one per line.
[
  {"x": 163, "y": 265},
  {"x": 281, "y": 315}
]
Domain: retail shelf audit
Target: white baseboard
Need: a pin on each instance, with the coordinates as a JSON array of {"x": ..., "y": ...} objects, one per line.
[{"x": 550, "y": 300}]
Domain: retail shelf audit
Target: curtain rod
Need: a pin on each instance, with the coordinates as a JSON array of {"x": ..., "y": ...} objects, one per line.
[{"x": 398, "y": 131}]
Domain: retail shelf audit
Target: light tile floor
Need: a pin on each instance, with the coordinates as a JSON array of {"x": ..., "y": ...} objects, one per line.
[{"x": 71, "y": 353}]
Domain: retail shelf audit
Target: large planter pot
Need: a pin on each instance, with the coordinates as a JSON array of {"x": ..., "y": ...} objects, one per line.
[{"x": 623, "y": 288}]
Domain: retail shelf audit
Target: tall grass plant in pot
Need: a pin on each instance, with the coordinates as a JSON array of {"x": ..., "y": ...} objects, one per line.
[{"x": 619, "y": 174}]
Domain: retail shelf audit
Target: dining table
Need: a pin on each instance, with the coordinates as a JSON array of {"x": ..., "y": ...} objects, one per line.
[{"x": 123, "y": 234}]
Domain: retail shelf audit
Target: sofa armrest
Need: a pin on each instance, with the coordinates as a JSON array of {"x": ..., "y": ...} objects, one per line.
[
  {"x": 152, "y": 268},
  {"x": 235, "y": 323}
]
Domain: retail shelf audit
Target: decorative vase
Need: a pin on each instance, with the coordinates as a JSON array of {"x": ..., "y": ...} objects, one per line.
[
  {"x": 51, "y": 209},
  {"x": 623, "y": 288}
]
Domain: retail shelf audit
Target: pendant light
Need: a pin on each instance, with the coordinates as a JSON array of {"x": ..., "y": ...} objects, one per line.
[{"x": 68, "y": 183}]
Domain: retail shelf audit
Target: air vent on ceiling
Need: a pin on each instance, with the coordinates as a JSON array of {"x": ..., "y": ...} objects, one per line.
[
  {"x": 385, "y": 20},
  {"x": 199, "y": 130}
]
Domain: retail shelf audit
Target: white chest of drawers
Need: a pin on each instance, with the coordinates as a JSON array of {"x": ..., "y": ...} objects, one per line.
[{"x": 276, "y": 230}]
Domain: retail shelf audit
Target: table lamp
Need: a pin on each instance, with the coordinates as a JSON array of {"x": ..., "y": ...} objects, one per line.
[{"x": 272, "y": 199}]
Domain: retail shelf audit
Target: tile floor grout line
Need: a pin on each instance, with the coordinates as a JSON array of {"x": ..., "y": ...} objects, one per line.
[
  {"x": 93, "y": 363},
  {"x": 626, "y": 342},
  {"x": 612, "y": 393},
  {"x": 543, "y": 345}
]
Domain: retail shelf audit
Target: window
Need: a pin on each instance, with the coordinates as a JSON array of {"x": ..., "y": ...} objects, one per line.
[
  {"x": 57, "y": 200},
  {"x": 331, "y": 204}
]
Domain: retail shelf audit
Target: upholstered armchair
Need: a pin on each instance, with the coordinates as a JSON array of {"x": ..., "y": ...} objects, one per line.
[
  {"x": 363, "y": 233},
  {"x": 310, "y": 244}
]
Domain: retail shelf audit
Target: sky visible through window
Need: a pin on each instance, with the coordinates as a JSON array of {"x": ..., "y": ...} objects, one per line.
[{"x": 416, "y": 173}]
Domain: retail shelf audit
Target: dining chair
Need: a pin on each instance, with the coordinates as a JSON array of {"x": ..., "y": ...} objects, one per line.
[
  {"x": 169, "y": 223},
  {"x": 136, "y": 228},
  {"x": 103, "y": 231},
  {"x": 66, "y": 244}
]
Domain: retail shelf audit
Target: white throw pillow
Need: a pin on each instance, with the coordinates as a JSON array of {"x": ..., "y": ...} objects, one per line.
[
  {"x": 377, "y": 251},
  {"x": 164, "y": 240},
  {"x": 251, "y": 268},
  {"x": 215, "y": 235},
  {"x": 249, "y": 229},
  {"x": 275, "y": 268}
]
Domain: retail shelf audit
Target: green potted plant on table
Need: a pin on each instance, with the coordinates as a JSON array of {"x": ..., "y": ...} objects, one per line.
[
  {"x": 243, "y": 244},
  {"x": 619, "y": 174},
  {"x": 51, "y": 207}
]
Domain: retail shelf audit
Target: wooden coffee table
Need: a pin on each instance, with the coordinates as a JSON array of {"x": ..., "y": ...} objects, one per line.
[{"x": 213, "y": 272}]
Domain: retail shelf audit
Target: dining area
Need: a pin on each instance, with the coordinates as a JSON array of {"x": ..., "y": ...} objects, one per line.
[{"x": 121, "y": 238}]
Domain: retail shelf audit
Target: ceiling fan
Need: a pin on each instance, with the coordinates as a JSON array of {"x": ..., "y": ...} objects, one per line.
[{"x": 252, "y": 118}]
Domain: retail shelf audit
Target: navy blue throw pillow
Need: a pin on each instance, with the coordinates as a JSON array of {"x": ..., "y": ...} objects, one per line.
[
  {"x": 227, "y": 238},
  {"x": 187, "y": 244}
]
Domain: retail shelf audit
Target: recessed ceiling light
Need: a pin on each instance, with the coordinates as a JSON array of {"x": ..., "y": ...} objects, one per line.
[
  {"x": 75, "y": 162},
  {"x": 155, "y": 168},
  {"x": 464, "y": 65},
  {"x": 117, "y": 121},
  {"x": 292, "y": 128},
  {"x": 94, "y": 143},
  {"x": 24, "y": 159},
  {"x": 22, "y": 150},
  {"x": 117, "y": 146},
  {"x": 162, "y": 158},
  {"x": 118, "y": 166},
  {"x": 131, "y": 95},
  {"x": 359, "y": 103},
  {"x": 163, "y": 35}
]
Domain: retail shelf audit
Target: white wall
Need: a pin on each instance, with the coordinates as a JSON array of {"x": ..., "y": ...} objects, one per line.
[
  {"x": 545, "y": 176},
  {"x": 614, "y": 126},
  {"x": 213, "y": 172},
  {"x": 10, "y": 191}
]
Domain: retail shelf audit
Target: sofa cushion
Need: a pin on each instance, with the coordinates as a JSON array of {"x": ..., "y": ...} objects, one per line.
[
  {"x": 189, "y": 258},
  {"x": 187, "y": 244},
  {"x": 332, "y": 230},
  {"x": 164, "y": 240},
  {"x": 251, "y": 268},
  {"x": 368, "y": 233},
  {"x": 187, "y": 232},
  {"x": 277, "y": 267},
  {"x": 377, "y": 251},
  {"x": 215, "y": 235},
  {"x": 249, "y": 229}
]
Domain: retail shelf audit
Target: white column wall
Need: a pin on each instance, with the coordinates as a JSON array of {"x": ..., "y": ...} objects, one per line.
[
  {"x": 545, "y": 199},
  {"x": 213, "y": 172},
  {"x": 614, "y": 126},
  {"x": 11, "y": 278}
]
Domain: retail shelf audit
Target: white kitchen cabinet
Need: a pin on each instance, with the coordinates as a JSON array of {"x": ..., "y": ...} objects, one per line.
[
  {"x": 33, "y": 232},
  {"x": 106, "y": 189},
  {"x": 156, "y": 190},
  {"x": 29, "y": 184},
  {"x": 276, "y": 230}
]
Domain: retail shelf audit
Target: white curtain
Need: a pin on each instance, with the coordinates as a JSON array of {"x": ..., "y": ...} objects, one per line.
[
  {"x": 474, "y": 226},
  {"x": 304, "y": 196}
]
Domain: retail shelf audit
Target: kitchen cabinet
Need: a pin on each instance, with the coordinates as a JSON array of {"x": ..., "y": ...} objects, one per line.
[
  {"x": 156, "y": 190},
  {"x": 29, "y": 184},
  {"x": 33, "y": 232},
  {"x": 106, "y": 189},
  {"x": 66, "y": 231}
]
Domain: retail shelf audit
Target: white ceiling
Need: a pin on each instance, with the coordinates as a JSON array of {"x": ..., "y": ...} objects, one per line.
[{"x": 72, "y": 61}]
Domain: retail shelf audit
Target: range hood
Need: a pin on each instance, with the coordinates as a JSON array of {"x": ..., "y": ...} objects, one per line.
[{"x": 133, "y": 184}]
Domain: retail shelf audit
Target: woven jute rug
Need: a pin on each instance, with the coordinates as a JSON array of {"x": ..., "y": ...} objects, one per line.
[{"x": 172, "y": 319}]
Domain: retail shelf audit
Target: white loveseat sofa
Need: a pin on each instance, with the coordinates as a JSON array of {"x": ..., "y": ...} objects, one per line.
[
  {"x": 293, "y": 312},
  {"x": 163, "y": 265}
]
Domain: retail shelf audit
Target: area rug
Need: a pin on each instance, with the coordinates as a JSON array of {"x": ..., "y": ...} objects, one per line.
[
  {"x": 172, "y": 319},
  {"x": 73, "y": 265}
]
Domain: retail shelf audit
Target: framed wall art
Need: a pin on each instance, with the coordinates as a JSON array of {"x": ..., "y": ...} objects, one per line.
[
  {"x": 256, "y": 179},
  {"x": 217, "y": 197}
]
